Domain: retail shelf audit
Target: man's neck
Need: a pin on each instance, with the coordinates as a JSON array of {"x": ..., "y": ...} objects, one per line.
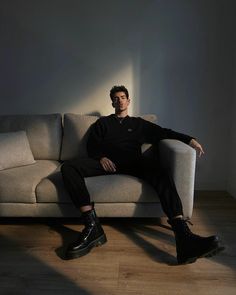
[{"x": 121, "y": 114}]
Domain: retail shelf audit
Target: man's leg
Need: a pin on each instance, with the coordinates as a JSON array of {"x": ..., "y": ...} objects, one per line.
[
  {"x": 73, "y": 173},
  {"x": 189, "y": 247}
]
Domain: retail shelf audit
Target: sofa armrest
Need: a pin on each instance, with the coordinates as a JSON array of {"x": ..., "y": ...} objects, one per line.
[{"x": 180, "y": 161}]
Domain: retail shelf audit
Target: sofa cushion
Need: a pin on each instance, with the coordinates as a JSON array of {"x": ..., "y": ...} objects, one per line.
[
  {"x": 75, "y": 135},
  {"x": 44, "y": 132},
  {"x": 17, "y": 185},
  {"x": 102, "y": 189},
  {"x": 76, "y": 130},
  {"x": 15, "y": 150}
]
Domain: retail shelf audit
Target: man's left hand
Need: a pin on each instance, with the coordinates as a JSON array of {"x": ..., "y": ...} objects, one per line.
[{"x": 196, "y": 145}]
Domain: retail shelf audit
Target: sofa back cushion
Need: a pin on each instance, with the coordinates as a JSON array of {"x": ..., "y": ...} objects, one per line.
[
  {"x": 44, "y": 133},
  {"x": 15, "y": 150},
  {"x": 76, "y": 130}
]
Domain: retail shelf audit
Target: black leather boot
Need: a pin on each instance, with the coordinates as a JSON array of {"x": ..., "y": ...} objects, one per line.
[
  {"x": 92, "y": 235},
  {"x": 190, "y": 247}
]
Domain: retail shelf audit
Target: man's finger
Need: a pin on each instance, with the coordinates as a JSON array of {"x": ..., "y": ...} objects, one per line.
[
  {"x": 200, "y": 152},
  {"x": 112, "y": 167},
  {"x": 104, "y": 166},
  {"x": 109, "y": 166}
]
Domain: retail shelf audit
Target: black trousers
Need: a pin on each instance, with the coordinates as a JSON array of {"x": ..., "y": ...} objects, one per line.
[{"x": 74, "y": 172}]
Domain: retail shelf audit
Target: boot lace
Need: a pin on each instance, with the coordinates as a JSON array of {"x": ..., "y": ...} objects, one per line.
[
  {"x": 187, "y": 219},
  {"x": 187, "y": 231}
]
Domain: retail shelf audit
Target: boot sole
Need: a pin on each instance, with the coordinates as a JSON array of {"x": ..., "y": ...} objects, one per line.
[
  {"x": 210, "y": 253},
  {"x": 81, "y": 252}
]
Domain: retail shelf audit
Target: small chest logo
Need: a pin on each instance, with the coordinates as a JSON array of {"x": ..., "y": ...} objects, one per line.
[{"x": 130, "y": 130}]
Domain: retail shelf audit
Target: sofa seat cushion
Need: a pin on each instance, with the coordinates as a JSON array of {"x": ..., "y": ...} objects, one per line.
[
  {"x": 17, "y": 185},
  {"x": 103, "y": 189}
]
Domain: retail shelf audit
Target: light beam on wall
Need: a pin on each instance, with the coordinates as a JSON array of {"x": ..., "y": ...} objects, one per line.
[{"x": 98, "y": 100}]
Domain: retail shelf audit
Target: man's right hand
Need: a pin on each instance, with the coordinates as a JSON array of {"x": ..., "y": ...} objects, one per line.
[{"x": 108, "y": 165}]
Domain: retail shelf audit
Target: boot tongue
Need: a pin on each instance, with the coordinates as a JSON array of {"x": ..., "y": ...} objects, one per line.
[{"x": 89, "y": 217}]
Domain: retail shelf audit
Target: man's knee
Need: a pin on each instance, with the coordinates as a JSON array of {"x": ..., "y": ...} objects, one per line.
[
  {"x": 66, "y": 167},
  {"x": 73, "y": 166}
]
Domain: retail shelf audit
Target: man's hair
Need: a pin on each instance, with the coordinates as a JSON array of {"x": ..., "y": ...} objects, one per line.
[{"x": 120, "y": 88}]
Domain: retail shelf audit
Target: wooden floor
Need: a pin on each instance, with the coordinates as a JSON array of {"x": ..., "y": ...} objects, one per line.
[{"x": 139, "y": 257}]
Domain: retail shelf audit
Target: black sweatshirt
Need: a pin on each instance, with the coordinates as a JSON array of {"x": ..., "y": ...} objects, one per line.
[{"x": 120, "y": 141}]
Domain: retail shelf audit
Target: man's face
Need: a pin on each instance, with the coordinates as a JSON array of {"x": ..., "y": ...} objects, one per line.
[{"x": 120, "y": 101}]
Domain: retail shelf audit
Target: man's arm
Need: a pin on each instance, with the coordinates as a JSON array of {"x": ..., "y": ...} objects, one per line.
[
  {"x": 95, "y": 140},
  {"x": 155, "y": 133},
  {"x": 95, "y": 146}
]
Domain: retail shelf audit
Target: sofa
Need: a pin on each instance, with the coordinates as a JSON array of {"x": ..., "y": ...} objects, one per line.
[{"x": 35, "y": 188}]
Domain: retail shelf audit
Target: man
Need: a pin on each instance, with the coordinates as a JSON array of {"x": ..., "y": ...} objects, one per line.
[{"x": 114, "y": 146}]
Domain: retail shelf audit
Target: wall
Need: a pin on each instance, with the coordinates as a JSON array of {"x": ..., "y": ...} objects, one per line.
[
  {"x": 187, "y": 75},
  {"x": 232, "y": 164},
  {"x": 232, "y": 143},
  {"x": 174, "y": 56}
]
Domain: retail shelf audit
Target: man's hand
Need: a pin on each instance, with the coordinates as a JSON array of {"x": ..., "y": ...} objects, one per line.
[
  {"x": 196, "y": 145},
  {"x": 108, "y": 165}
]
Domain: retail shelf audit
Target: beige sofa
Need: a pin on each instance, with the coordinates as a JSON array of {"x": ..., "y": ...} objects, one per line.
[{"x": 37, "y": 190}]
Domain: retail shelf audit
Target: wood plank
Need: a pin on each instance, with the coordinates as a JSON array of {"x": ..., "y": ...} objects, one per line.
[{"x": 139, "y": 257}]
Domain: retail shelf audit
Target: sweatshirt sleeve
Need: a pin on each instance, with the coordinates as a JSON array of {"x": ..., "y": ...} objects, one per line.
[
  {"x": 95, "y": 140},
  {"x": 153, "y": 133}
]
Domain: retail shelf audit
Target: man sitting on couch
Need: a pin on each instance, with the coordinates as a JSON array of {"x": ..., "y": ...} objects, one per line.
[{"x": 114, "y": 147}]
